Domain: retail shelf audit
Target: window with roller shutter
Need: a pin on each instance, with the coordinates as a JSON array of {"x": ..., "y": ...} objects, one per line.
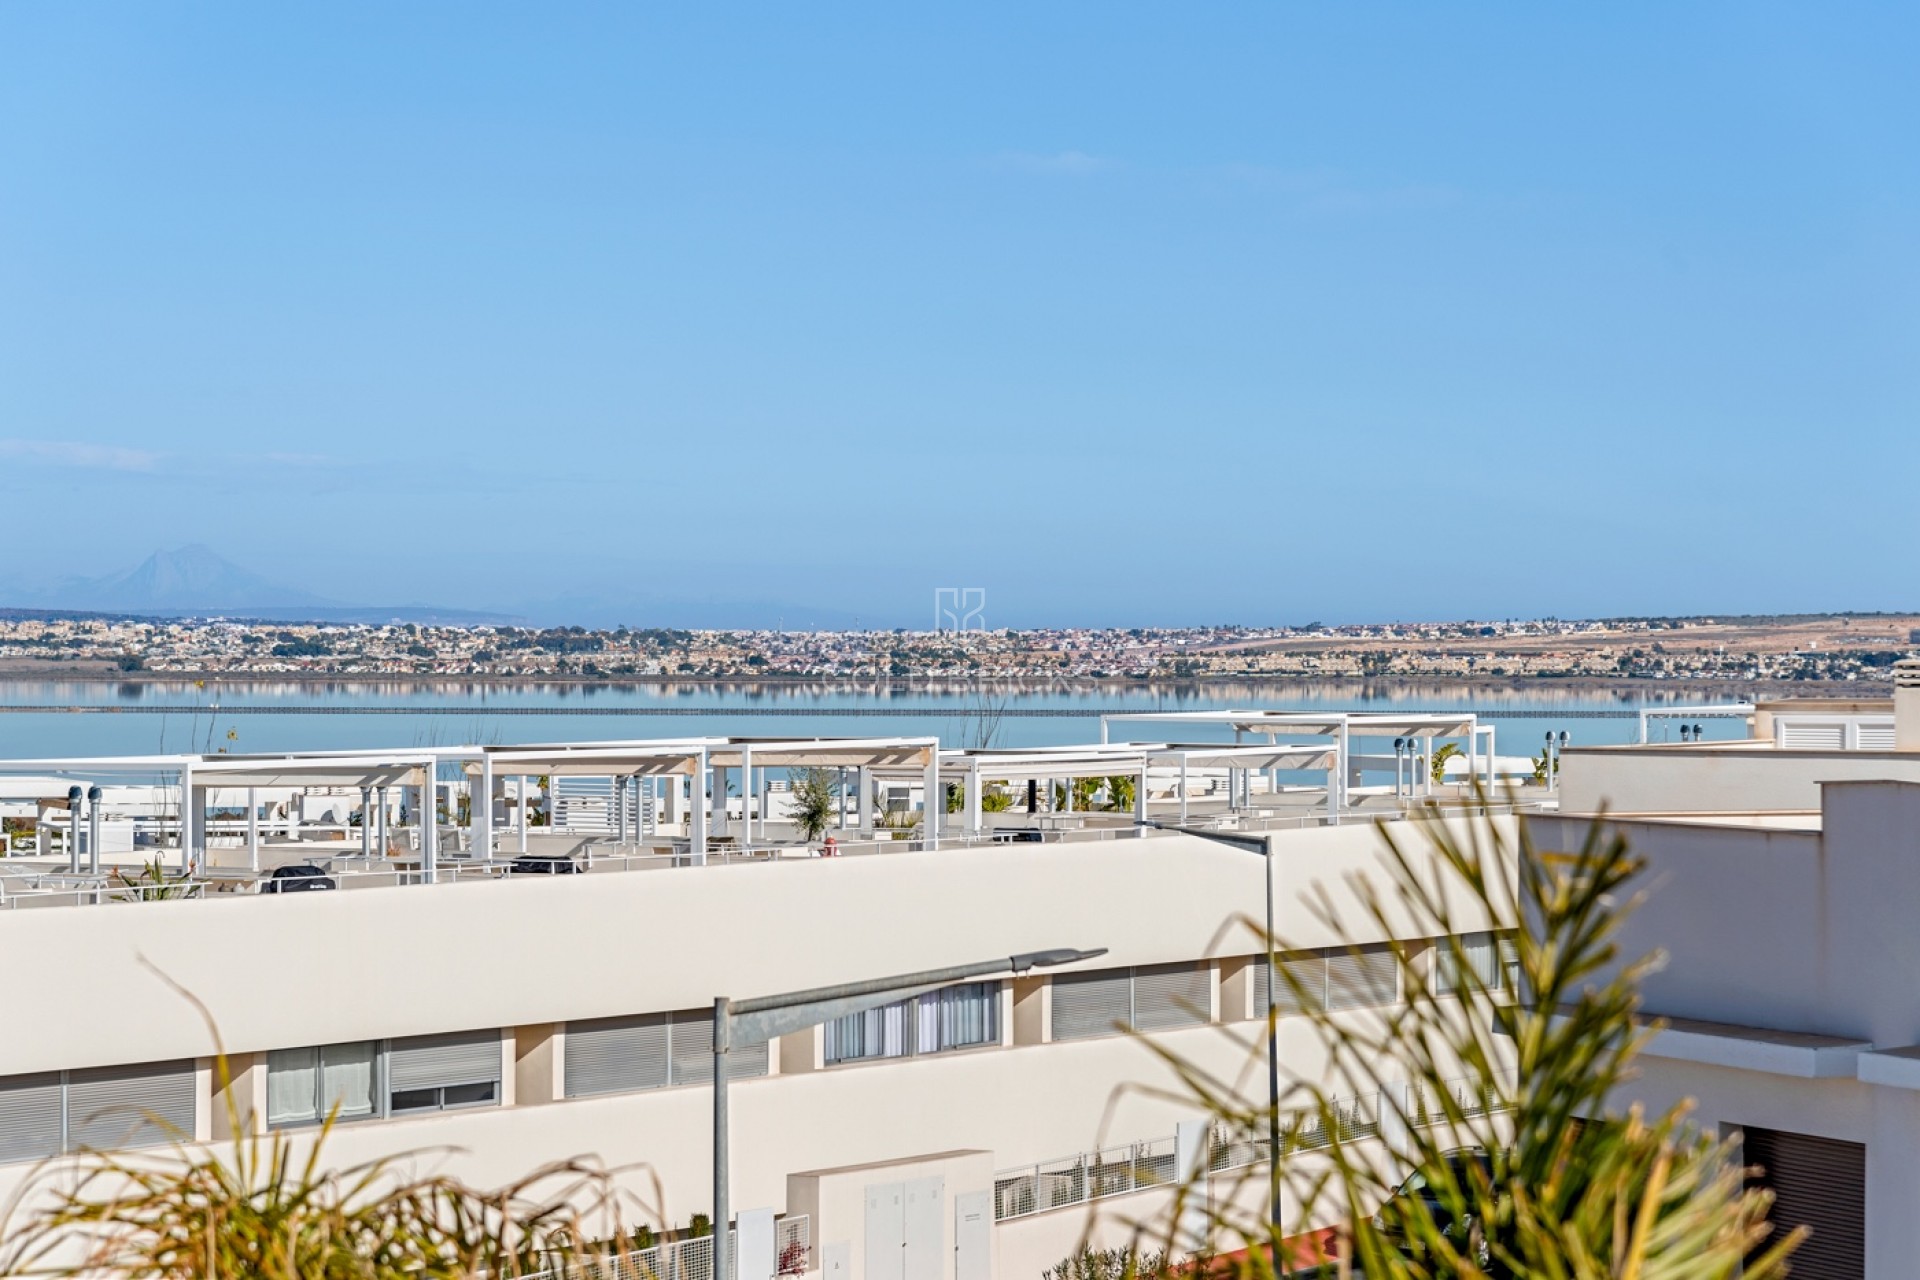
[
  {"x": 650, "y": 1051},
  {"x": 1171, "y": 995},
  {"x": 616, "y": 1055},
  {"x": 1308, "y": 970},
  {"x": 99, "y": 1108},
  {"x": 1820, "y": 1183},
  {"x": 442, "y": 1072},
  {"x": 1089, "y": 1004},
  {"x": 113, "y": 1108},
  {"x": 1362, "y": 978},
  {"x": 31, "y": 1116}
]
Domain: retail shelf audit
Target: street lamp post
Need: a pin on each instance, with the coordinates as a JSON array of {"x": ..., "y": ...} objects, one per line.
[
  {"x": 766, "y": 1018},
  {"x": 1264, "y": 848}
]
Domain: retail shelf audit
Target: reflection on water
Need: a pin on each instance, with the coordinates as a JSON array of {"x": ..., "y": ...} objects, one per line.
[
  {"x": 454, "y": 691},
  {"x": 331, "y": 715}
]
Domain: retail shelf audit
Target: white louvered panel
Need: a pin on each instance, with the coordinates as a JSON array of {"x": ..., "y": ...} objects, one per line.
[
  {"x": 691, "y": 1051},
  {"x": 1171, "y": 995},
  {"x": 1803, "y": 735},
  {"x": 1366, "y": 978},
  {"x": 109, "y": 1108},
  {"x": 1091, "y": 1004},
  {"x": 29, "y": 1117},
  {"x": 1309, "y": 969},
  {"x": 426, "y": 1062},
  {"x": 1876, "y": 737},
  {"x": 614, "y": 1055},
  {"x": 583, "y": 804}
]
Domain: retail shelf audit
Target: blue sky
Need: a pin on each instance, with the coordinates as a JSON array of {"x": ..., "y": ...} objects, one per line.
[{"x": 1129, "y": 314}]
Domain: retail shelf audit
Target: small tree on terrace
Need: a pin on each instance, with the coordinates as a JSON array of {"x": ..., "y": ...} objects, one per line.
[{"x": 816, "y": 799}]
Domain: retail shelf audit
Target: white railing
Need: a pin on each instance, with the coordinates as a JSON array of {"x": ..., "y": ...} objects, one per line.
[
  {"x": 344, "y": 862},
  {"x": 1078, "y": 1179},
  {"x": 692, "y": 1259},
  {"x": 1143, "y": 1166}
]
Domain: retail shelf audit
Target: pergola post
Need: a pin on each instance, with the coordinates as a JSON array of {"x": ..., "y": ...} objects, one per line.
[
  {"x": 253, "y": 829},
  {"x": 1183, "y": 788},
  {"x": 1346, "y": 755},
  {"x": 973, "y": 799},
  {"x": 189, "y": 824},
  {"x": 1140, "y": 795},
  {"x": 865, "y": 805},
  {"x": 386, "y": 838},
  {"x": 717, "y": 798},
  {"x": 841, "y": 794},
  {"x": 366, "y": 823},
  {"x": 697, "y": 810},
  {"x": 429, "y": 824},
  {"x": 480, "y": 811},
  {"x": 935, "y": 803},
  {"x": 521, "y": 811},
  {"x": 746, "y": 797}
]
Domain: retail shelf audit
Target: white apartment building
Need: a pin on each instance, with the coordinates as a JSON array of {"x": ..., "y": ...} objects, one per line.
[
  {"x": 506, "y": 1020},
  {"x": 1782, "y": 881}
]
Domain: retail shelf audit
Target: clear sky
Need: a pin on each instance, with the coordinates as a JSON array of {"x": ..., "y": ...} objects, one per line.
[{"x": 1188, "y": 313}]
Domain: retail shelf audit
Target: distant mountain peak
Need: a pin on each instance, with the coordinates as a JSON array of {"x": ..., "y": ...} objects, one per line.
[
  {"x": 189, "y": 579},
  {"x": 197, "y": 581}
]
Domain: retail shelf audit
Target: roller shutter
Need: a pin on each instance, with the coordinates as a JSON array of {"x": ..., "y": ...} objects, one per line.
[
  {"x": 1822, "y": 1184},
  {"x": 139, "y": 1106},
  {"x": 1307, "y": 969},
  {"x": 613, "y": 1055},
  {"x": 29, "y": 1117},
  {"x": 1364, "y": 978},
  {"x": 1171, "y": 995},
  {"x": 428, "y": 1062},
  {"x": 1091, "y": 1004},
  {"x": 690, "y": 1051}
]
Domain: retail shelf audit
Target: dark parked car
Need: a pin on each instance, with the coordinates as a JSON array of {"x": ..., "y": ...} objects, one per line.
[
  {"x": 298, "y": 878},
  {"x": 1018, "y": 835},
  {"x": 1465, "y": 1232},
  {"x": 543, "y": 865}
]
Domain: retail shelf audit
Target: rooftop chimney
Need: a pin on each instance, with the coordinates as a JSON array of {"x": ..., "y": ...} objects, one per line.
[{"x": 1906, "y": 704}]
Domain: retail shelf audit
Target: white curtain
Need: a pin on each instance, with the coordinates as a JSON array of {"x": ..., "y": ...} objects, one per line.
[
  {"x": 292, "y": 1086},
  {"x": 886, "y": 1032},
  {"x": 1478, "y": 959},
  {"x": 969, "y": 1015},
  {"x": 346, "y": 1078}
]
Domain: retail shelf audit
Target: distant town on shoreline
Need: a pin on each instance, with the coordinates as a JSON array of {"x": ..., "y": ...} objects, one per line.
[{"x": 1837, "y": 647}]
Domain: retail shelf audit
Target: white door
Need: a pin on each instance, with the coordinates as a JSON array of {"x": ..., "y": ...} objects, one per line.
[
  {"x": 926, "y": 1229},
  {"x": 836, "y": 1260},
  {"x": 973, "y": 1236},
  {"x": 886, "y": 1232}
]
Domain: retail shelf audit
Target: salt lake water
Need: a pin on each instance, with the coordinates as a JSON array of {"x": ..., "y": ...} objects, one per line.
[{"x": 40, "y": 718}]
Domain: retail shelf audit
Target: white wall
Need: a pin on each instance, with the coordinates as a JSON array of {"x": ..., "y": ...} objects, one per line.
[{"x": 1716, "y": 778}]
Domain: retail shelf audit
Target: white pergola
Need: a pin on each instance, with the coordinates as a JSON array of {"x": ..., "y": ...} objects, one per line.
[
  {"x": 1342, "y": 727},
  {"x": 707, "y": 762},
  {"x": 976, "y": 768}
]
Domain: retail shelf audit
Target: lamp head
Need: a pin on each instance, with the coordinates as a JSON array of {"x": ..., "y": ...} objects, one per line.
[{"x": 1048, "y": 959}]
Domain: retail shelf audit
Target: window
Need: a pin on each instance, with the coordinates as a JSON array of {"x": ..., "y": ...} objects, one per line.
[
  {"x": 1149, "y": 998},
  {"x": 938, "y": 1021},
  {"x": 1491, "y": 958},
  {"x": 1336, "y": 979},
  {"x": 366, "y": 1078},
  {"x": 304, "y": 1086},
  {"x": 649, "y": 1051},
  {"x": 103, "y": 1108},
  {"x": 440, "y": 1073}
]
